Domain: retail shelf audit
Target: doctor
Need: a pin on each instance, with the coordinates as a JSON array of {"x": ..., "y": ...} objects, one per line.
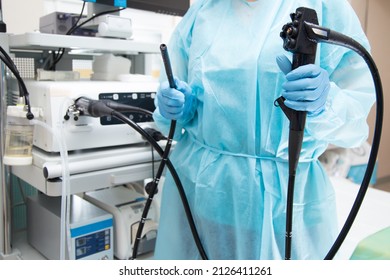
[{"x": 232, "y": 142}]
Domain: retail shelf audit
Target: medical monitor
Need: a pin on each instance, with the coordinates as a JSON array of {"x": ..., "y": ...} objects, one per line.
[{"x": 171, "y": 7}]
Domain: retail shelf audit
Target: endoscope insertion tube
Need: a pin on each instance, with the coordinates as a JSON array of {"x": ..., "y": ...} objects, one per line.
[
  {"x": 325, "y": 35},
  {"x": 153, "y": 188}
]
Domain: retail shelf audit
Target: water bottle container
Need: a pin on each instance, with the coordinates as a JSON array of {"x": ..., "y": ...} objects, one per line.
[{"x": 18, "y": 137}]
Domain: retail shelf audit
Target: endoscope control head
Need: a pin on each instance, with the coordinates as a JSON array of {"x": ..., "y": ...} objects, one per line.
[{"x": 294, "y": 35}]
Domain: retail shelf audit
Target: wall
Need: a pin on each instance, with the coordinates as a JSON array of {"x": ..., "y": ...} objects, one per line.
[
  {"x": 374, "y": 15},
  {"x": 377, "y": 31},
  {"x": 360, "y": 7},
  {"x": 21, "y": 15}
]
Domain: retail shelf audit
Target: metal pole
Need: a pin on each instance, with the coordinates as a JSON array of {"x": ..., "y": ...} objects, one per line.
[
  {"x": 5, "y": 232},
  {"x": 2, "y": 173}
]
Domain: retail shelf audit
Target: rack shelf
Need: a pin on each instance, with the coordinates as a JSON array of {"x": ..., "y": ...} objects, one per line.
[{"x": 42, "y": 41}]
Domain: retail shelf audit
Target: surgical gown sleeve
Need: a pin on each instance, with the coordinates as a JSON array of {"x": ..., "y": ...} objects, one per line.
[
  {"x": 178, "y": 48},
  {"x": 343, "y": 123}
]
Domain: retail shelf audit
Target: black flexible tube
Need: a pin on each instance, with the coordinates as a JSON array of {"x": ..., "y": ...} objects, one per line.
[
  {"x": 9, "y": 63},
  {"x": 165, "y": 155},
  {"x": 153, "y": 189},
  {"x": 168, "y": 70},
  {"x": 374, "y": 149},
  {"x": 175, "y": 177},
  {"x": 289, "y": 216},
  {"x": 325, "y": 35}
]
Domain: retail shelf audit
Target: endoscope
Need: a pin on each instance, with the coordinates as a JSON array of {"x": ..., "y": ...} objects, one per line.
[{"x": 301, "y": 37}]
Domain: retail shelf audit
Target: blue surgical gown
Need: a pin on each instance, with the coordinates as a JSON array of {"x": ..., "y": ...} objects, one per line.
[{"x": 232, "y": 148}]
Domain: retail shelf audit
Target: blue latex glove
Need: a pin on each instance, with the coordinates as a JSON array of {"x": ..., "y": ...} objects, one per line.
[
  {"x": 307, "y": 86},
  {"x": 174, "y": 104}
]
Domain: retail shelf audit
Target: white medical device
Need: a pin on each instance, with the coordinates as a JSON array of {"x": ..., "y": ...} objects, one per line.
[
  {"x": 127, "y": 205},
  {"x": 53, "y": 98},
  {"x": 91, "y": 228}
]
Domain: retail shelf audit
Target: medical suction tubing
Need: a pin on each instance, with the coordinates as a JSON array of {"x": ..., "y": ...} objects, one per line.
[{"x": 325, "y": 35}]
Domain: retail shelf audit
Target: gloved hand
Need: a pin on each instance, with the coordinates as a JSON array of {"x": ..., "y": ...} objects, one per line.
[
  {"x": 307, "y": 86},
  {"x": 173, "y": 103}
]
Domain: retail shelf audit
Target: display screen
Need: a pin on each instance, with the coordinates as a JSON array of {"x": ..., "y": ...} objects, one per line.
[
  {"x": 171, "y": 7},
  {"x": 93, "y": 243}
]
